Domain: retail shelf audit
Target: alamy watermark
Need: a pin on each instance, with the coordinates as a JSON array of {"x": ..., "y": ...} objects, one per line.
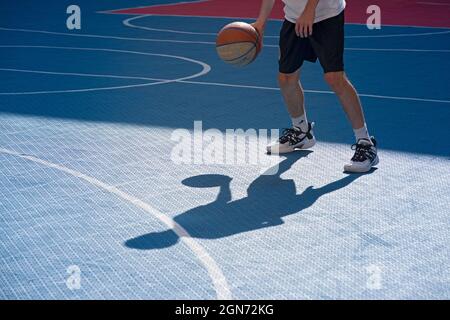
[
  {"x": 374, "y": 19},
  {"x": 375, "y": 277},
  {"x": 232, "y": 147},
  {"x": 73, "y": 21},
  {"x": 73, "y": 281}
]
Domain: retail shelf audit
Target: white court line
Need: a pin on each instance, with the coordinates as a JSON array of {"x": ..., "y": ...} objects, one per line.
[
  {"x": 401, "y": 35},
  {"x": 107, "y": 76},
  {"x": 226, "y": 85},
  {"x": 215, "y": 273},
  {"x": 155, "y": 5},
  {"x": 83, "y": 74},
  {"x": 98, "y": 36},
  {"x": 127, "y": 23},
  {"x": 205, "y": 69},
  {"x": 205, "y": 42},
  {"x": 315, "y": 91},
  {"x": 399, "y": 50}
]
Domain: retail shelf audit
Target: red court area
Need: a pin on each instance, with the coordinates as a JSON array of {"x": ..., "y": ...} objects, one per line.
[{"x": 427, "y": 13}]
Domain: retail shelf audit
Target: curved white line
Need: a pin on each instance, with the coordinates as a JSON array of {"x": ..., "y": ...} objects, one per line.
[
  {"x": 114, "y": 11},
  {"x": 215, "y": 273},
  {"x": 205, "y": 69},
  {"x": 127, "y": 23}
]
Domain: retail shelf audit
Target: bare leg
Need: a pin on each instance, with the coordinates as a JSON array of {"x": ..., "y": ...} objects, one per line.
[
  {"x": 300, "y": 136},
  {"x": 348, "y": 96},
  {"x": 292, "y": 93}
]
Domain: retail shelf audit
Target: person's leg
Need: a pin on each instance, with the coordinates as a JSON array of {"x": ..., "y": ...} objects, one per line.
[
  {"x": 300, "y": 136},
  {"x": 328, "y": 43},
  {"x": 350, "y": 102},
  {"x": 293, "y": 52},
  {"x": 365, "y": 149},
  {"x": 294, "y": 98}
]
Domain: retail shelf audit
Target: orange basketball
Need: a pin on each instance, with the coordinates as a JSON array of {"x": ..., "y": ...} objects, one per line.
[{"x": 238, "y": 43}]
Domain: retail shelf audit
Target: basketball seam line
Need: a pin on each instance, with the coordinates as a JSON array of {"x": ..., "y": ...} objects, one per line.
[
  {"x": 258, "y": 37},
  {"x": 228, "y": 43},
  {"x": 249, "y": 33},
  {"x": 254, "y": 47}
]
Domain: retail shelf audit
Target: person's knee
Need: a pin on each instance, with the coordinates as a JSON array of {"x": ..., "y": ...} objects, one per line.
[
  {"x": 288, "y": 80},
  {"x": 336, "y": 81}
]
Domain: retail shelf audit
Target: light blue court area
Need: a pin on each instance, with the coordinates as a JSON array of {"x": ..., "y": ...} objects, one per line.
[{"x": 88, "y": 182}]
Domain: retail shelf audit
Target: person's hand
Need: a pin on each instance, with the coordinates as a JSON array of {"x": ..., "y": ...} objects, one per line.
[
  {"x": 260, "y": 28},
  {"x": 304, "y": 24}
]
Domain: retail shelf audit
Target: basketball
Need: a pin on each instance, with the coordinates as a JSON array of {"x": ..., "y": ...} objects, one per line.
[{"x": 238, "y": 44}]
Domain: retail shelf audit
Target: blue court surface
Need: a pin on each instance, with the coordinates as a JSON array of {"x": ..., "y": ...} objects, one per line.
[{"x": 92, "y": 205}]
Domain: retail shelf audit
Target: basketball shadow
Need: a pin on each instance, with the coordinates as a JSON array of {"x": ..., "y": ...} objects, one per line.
[{"x": 269, "y": 199}]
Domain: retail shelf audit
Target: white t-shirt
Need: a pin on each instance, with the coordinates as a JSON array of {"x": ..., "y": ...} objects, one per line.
[{"x": 325, "y": 9}]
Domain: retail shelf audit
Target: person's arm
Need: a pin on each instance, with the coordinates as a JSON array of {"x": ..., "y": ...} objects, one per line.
[
  {"x": 264, "y": 13},
  {"x": 304, "y": 25}
]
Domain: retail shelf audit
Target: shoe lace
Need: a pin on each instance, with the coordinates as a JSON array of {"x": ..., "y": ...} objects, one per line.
[
  {"x": 289, "y": 135},
  {"x": 294, "y": 135},
  {"x": 362, "y": 152}
]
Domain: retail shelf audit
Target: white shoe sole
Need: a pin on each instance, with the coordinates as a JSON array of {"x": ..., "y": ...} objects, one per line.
[
  {"x": 301, "y": 146},
  {"x": 356, "y": 169}
]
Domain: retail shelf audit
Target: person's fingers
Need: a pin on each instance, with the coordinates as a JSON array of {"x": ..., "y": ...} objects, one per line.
[
  {"x": 310, "y": 29},
  {"x": 260, "y": 35},
  {"x": 300, "y": 30},
  {"x": 297, "y": 29},
  {"x": 304, "y": 31},
  {"x": 260, "y": 30}
]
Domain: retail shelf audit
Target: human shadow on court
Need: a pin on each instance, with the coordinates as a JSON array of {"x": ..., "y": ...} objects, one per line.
[{"x": 269, "y": 199}]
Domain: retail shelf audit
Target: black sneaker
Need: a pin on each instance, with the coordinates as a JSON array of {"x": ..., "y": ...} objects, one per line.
[
  {"x": 365, "y": 156},
  {"x": 293, "y": 138}
]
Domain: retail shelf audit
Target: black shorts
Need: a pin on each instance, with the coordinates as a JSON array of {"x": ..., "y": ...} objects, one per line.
[{"x": 325, "y": 44}]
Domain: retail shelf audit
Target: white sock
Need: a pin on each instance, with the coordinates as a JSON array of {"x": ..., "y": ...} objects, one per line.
[
  {"x": 301, "y": 122},
  {"x": 362, "y": 133}
]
